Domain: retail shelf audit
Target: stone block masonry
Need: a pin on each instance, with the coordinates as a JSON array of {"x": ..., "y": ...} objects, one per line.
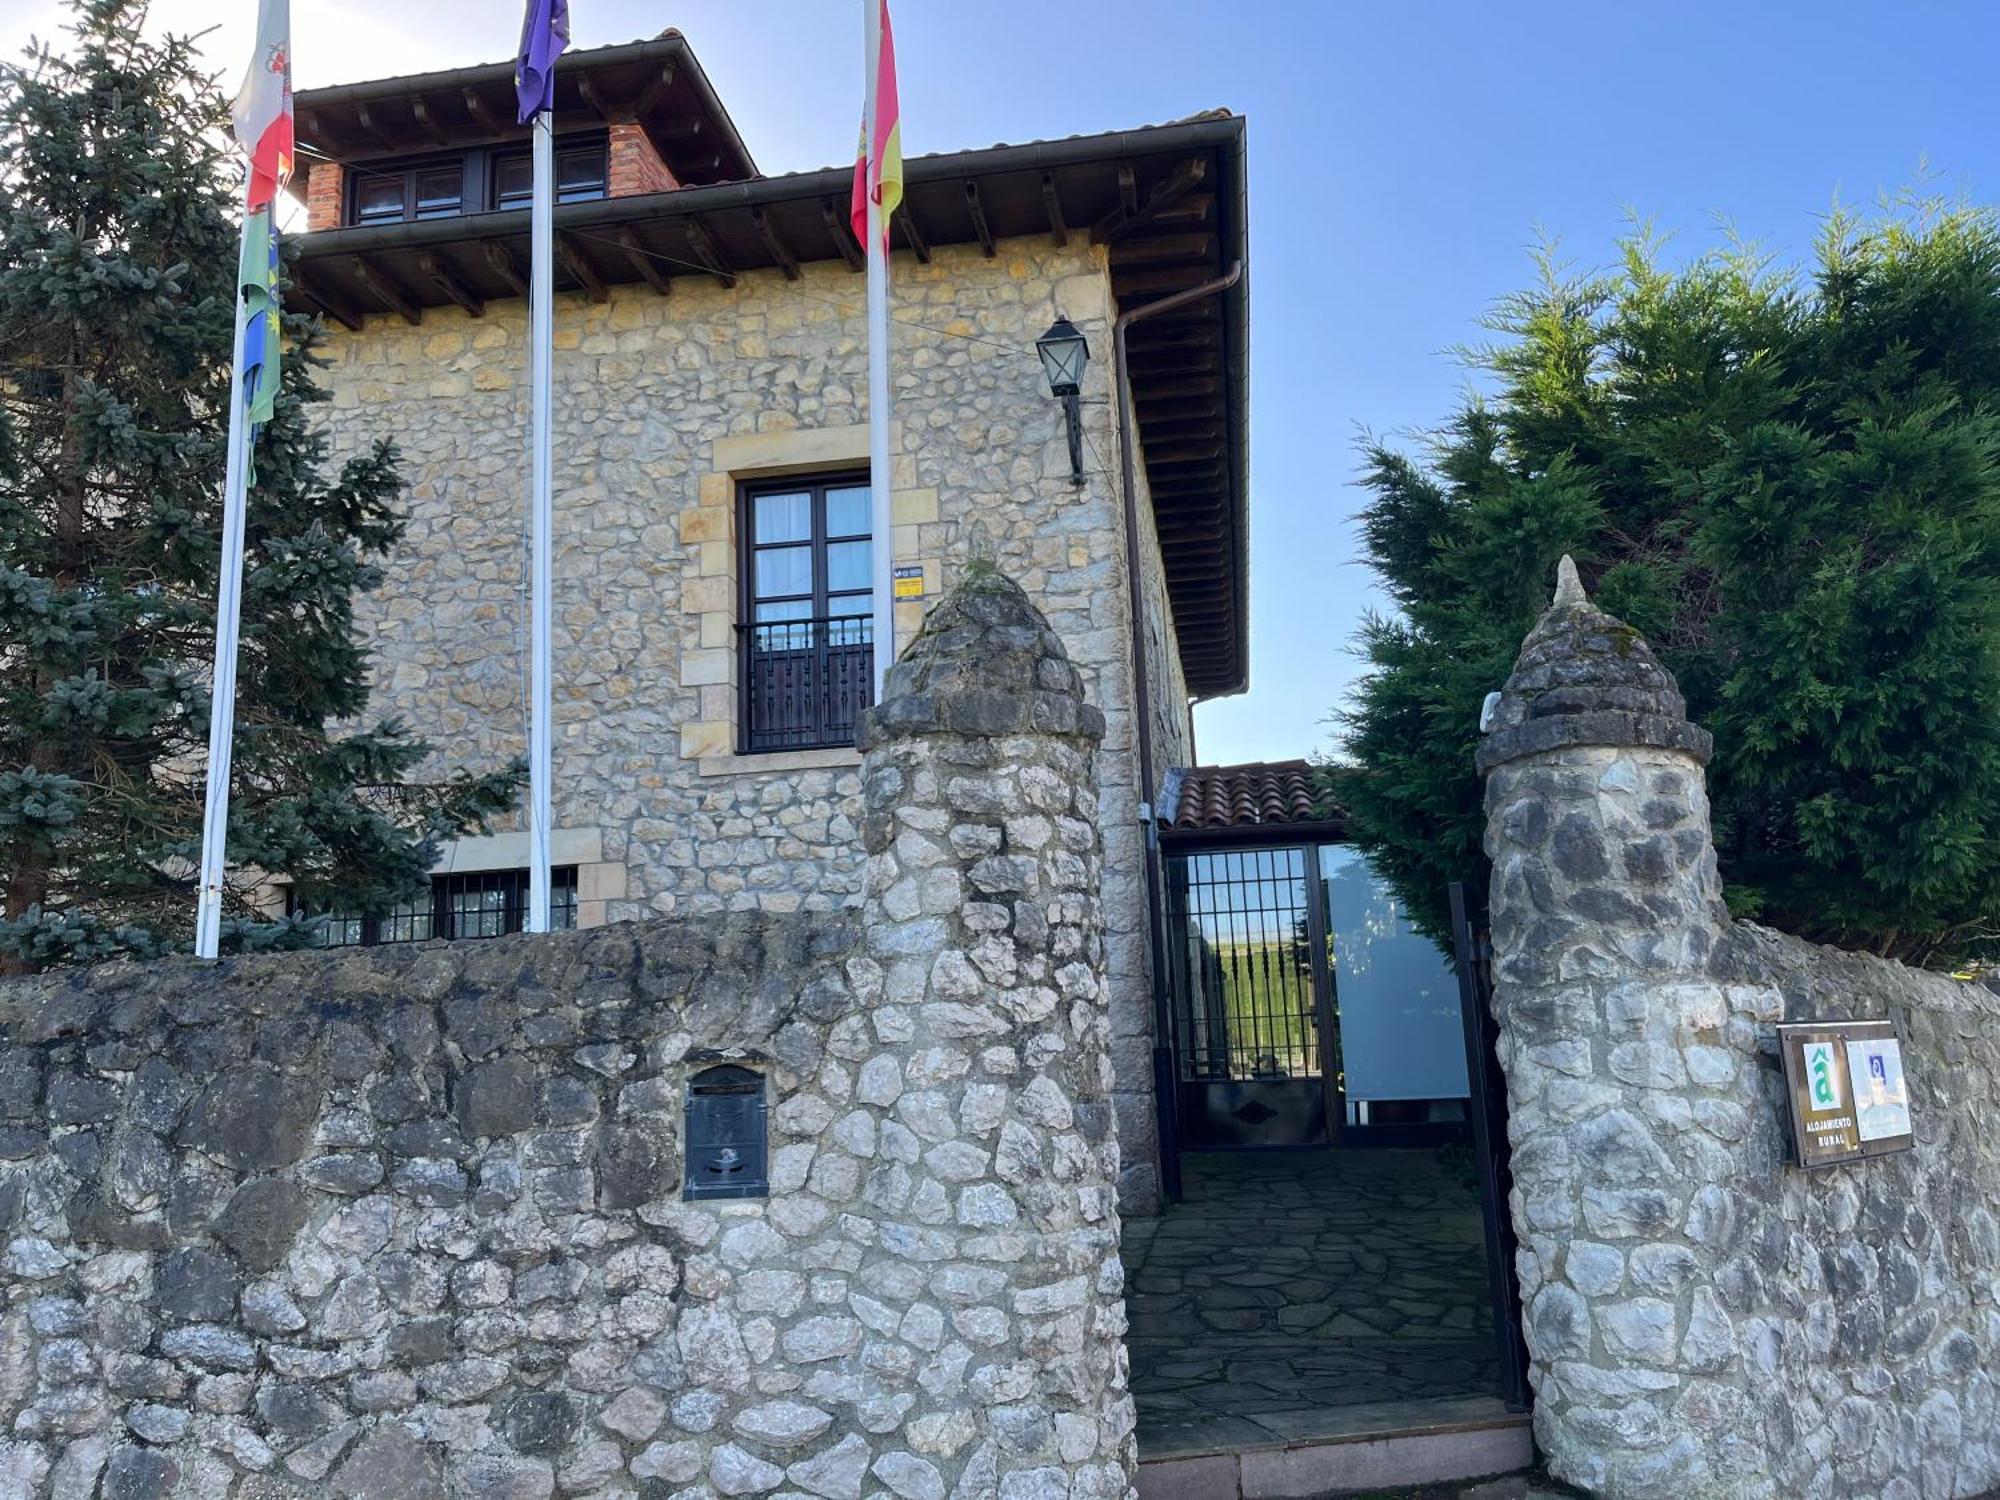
[
  {"x": 664, "y": 406},
  {"x": 408, "y": 1222},
  {"x": 1704, "y": 1318}
]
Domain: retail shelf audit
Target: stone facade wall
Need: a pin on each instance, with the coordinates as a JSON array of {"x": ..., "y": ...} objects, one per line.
[
  {"x": 1705, "y": 1318},
  {"x": 662, "y": 405},
  {"x": 407, "y": 1223}
]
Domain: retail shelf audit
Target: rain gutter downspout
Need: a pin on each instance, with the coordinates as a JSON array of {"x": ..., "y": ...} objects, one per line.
[{"x": 1164, "y": 1082}]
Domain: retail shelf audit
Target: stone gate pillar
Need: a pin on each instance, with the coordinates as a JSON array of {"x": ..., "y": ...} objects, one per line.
[
  {"x": 1606, "y": 908},
  {"x": 992, "y": 1220}
]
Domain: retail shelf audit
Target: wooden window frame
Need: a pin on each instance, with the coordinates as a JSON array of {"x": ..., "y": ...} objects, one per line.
[
  {"x": 478, "y": 177},
  {"x": 499, "y": 156},
  {"x": 830, "y": 736}
]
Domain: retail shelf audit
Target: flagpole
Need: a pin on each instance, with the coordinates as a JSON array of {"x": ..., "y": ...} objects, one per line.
[
  {"x": 222, "y": 692},
  {"x": 541, "y": 355},
  {"x": 883, "y": 551}
]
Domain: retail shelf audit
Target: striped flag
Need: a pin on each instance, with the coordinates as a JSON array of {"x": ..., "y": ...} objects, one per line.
[
  {"x": 261, "y": 118},
  {"x": 261, "y": 114},
  {"x": 257, "y": 285},
  {"x": 879, "y": 171}
]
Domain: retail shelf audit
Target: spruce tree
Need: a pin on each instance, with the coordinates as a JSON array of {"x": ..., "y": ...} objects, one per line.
[
  {"x": 1789, "y": 480},
  {"x": 118, "y": 238}
]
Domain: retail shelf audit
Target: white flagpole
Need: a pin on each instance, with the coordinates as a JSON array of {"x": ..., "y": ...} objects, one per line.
[
  {"x": 883, "y": 551},
  {"x": 541, "y": 355},
  {"x": 222, "y": 693}
]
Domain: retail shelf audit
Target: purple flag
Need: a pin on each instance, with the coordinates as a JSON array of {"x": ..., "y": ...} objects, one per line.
[{"x": 544, "y": 35}]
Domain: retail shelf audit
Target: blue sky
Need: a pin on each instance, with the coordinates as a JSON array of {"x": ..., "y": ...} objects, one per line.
[{"x": 1403, "y": 157}]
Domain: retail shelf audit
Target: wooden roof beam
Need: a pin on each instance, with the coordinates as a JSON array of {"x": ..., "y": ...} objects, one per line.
[
  {"x": 1052, "y": 202},
  {"x": 1151, "y": 248},
  {"x": 577, "y": 263},
  {"x": 382, "y": 287},
  {"x": 317, "y": 133},
  {"x": 1183, "y": 180},
  {"x": 774, "y": 243},
  {"x": 912, "y": 235},
  {"x": 426, "y": 122},
  {"x": 1180, "y": 411},
  {"x": 1168, "y": 390},
  {"x": 446, "y": 280},
  {"x": 1192, "y": 210},
  {"x": 370, "y": 129},
  {"x": 835, "y": 217},
  {"x": 976, "y": 207},
  {"x": 602, "y": 107},
  {"x": 709, "y": 253},
  {"x": 1176, "y": 364},
  {"x": 642, "y": 261},
  {"x": 481, "y": 115},
  {"x": 654, "y": 93},
  {"x": 1174, "y": 336},
  {"x": 332, "y": 307},
  {"x": 1164, "y": 280},
  {"x": 501, "y": 259}
]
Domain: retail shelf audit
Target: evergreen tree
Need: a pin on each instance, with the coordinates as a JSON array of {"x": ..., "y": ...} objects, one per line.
[
  {"x": 1790, "y": 482},
  {"x": 118, "y": 247}
]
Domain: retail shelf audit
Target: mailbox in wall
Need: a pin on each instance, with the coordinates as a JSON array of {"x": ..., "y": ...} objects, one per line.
[{"x": 727, "y": 1154}]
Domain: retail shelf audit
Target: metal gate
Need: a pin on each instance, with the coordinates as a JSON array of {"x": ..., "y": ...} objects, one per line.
[
  {"x": 1252, "y": 999},
  {"x": 1472, "y": 950}
]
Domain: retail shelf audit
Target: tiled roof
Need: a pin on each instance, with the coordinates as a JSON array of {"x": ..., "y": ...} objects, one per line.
[{"x": 1262, "y": 794}]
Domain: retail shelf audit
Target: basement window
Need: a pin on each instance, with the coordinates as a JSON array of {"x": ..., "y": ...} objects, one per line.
[{"x": 477, "y": 904}]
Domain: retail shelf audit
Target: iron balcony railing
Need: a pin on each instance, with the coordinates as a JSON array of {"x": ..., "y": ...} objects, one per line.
[{"x": 805, "y": 682}]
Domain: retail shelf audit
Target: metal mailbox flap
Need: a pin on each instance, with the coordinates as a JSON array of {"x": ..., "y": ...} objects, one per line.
[{"x": 727, "y": 1148}]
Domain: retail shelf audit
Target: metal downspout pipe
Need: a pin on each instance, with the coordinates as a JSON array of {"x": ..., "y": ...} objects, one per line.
[{"x": 1164, "y": 1081}]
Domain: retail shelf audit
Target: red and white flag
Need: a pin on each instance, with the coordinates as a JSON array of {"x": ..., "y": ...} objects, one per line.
[{"x": 261, "y": 114}]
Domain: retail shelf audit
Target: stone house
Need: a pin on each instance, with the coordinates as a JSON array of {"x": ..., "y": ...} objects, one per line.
[{"x": 711, "y": 563}]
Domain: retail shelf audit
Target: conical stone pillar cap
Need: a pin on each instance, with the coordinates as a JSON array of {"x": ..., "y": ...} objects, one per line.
[
  {"x": 985, "y": 663},
  {"x": 1587, "y": 678}
]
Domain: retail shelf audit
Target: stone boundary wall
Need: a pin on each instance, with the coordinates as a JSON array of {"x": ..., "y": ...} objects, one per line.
[
  {"x": 408, "y": 1222},
  {"x": 1705, "y": 1318}
]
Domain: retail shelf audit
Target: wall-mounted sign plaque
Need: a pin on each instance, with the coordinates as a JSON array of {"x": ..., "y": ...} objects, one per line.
[
  {"x": 909, "y": 581},
  {"x": 1849, "y": 1099}
]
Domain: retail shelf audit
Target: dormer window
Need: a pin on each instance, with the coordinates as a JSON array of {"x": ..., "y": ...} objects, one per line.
[{"x": 470, "y": 182}]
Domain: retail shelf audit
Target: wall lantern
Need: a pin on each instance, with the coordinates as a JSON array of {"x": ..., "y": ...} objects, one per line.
[{"x": 1064, "y": 355}]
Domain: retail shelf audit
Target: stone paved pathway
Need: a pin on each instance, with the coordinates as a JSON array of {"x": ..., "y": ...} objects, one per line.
[{"x": 1287, "y": 1285}]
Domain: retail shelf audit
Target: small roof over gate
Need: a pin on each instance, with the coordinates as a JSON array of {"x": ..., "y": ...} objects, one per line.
[{"x": 1259, "y": 795}]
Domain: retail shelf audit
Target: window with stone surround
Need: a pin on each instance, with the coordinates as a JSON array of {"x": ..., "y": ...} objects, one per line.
[
  {"x": 806, "y": 621},
  {"x": 447, "y": 185},
  {"x": 475, "y": 904}
]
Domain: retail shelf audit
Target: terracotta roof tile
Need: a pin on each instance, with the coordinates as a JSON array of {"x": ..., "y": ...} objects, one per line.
[{"x": 1264, "y": 793}]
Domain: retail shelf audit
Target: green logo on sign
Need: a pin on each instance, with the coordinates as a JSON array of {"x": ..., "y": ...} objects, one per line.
[{"x": 1822, "y": 1086}]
